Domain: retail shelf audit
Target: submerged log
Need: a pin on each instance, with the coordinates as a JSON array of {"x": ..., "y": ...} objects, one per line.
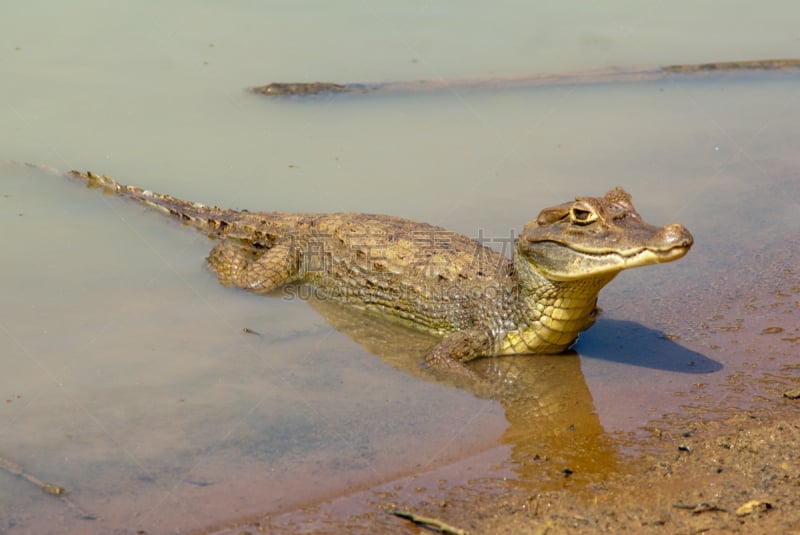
[{"x": 582, "y": 77}]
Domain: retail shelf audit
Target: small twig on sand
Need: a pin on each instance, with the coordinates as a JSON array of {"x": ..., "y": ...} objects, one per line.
[
  {"x": 48, "y": 488},
  {"x": 697, "y": 508},
  {"x": 437, "y": 525}
]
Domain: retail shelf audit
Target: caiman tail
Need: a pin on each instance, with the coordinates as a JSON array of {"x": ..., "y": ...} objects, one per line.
[{"x": 211, "y": 219}]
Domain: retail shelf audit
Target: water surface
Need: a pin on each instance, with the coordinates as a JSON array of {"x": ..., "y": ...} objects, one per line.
[{"x": 127, "y": 378}]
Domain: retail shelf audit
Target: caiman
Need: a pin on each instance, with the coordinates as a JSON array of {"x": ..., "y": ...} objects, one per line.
[{"x": 480, "y": 302}]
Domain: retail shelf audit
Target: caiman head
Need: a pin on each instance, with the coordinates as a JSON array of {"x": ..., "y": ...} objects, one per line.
[
  {"x": 597, "y": 238},
  {"x": 565, "y": 256}
]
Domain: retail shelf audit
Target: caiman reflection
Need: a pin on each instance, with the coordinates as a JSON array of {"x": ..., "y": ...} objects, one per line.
[{"x": 553, "y": 429}]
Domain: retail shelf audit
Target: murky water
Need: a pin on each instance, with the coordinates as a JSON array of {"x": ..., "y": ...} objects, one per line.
[{"x": 127, "y": 377}]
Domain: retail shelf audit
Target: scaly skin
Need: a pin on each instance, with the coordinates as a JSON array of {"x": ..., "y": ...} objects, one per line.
[{"x": 480, "y": 302}]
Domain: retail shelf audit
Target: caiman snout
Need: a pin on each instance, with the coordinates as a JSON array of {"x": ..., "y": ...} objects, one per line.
[{"x": 673, "y": 235}]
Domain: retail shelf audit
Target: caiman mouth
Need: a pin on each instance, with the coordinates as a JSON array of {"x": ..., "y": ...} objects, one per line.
[
  {"x": 633, "y": 255},
  {"x": 570, "y": 261}
]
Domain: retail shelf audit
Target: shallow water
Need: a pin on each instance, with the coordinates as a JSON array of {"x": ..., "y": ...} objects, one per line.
[{"x": 128, "y": 378}]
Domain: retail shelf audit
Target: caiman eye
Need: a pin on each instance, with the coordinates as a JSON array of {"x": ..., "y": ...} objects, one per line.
[{"x": 582, "y": 216}]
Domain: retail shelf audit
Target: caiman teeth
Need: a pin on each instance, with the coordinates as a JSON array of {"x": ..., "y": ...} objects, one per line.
[{"x": 626, "y": 253}]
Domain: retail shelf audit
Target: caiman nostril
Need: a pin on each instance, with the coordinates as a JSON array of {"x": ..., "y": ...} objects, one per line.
[{"x": 675, "y": 235}]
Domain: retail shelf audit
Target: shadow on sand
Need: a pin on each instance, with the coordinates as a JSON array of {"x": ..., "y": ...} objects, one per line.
[{"x": 628, "y": 342}]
